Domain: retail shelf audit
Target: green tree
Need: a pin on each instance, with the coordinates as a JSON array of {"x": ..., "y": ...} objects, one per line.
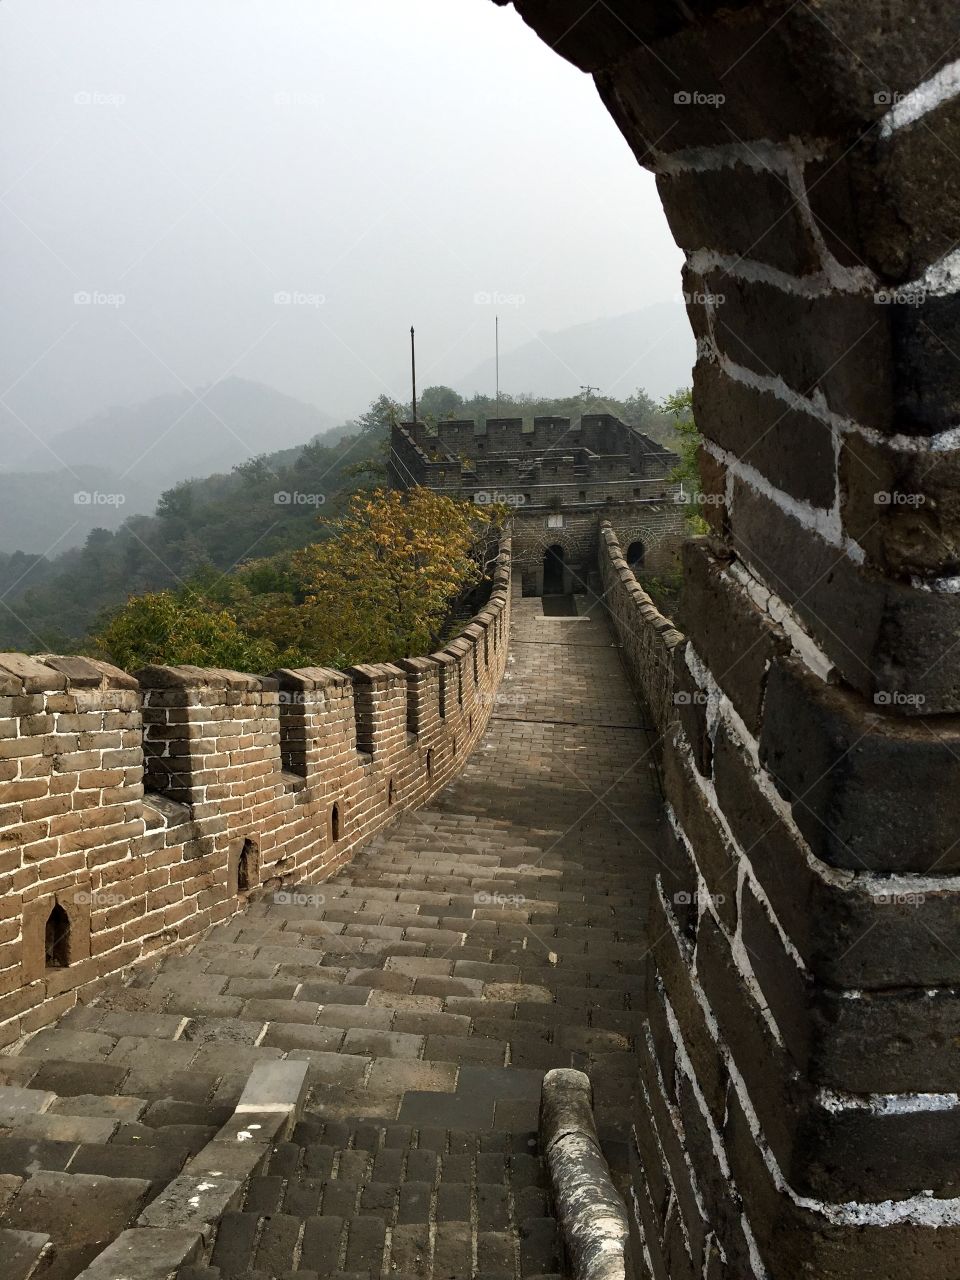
[
  {"x": 439, "y": 402},
  {"x": 688, "y": 442},
  {"x": 379, "y": 417},
  {"x": 173, "y": 627},
  {"x": 383, "y": 586}
]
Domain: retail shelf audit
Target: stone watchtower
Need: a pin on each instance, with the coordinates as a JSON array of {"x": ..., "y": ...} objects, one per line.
[{"x": 561, "y": 479}]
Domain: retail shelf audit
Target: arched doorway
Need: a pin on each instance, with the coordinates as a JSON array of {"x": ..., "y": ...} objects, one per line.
[
  {"x": 553, "y": 571},
  {"x": 635, "y": 555}
]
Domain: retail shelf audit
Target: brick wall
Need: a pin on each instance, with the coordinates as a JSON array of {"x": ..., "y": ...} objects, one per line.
[
  {"x": 799, "y": 1072},
  {"x": 135, "y": 812},
  {"x": 648, "y": 639},
  {"x": 658, "y": 526}
]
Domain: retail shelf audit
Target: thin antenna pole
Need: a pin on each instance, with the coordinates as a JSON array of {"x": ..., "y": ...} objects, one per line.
[
  {"x": 413, "y": 371},
  {"x": 497, "y": 359}
]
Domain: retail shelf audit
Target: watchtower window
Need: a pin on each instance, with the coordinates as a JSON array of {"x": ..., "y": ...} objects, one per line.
[
  {"x": 335, "y": 822},
  {"x": 57, "y": 938}
]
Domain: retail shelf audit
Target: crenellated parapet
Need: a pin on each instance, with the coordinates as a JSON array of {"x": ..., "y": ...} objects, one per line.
[{"x": 136, "y": 810}]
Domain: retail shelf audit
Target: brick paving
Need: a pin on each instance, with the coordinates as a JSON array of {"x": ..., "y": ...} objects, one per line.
[{"x": 466, "y": 950}]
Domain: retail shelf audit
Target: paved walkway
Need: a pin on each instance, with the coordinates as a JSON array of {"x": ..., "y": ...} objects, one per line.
[{"x": 473, "y": 946}]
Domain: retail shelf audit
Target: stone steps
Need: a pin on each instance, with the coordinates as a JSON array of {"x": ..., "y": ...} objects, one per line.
[
  {"x": 24, "y": 1253},
  {"x": 362, "y": 1199},
  {"x": 78, "y": 1214},
  {"x": 76, "y": 1169}
]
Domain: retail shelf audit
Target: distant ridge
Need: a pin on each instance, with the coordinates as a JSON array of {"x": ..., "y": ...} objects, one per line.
[
  {"x": 126, "y": 456},
  {"x": 652, "y": 348}
]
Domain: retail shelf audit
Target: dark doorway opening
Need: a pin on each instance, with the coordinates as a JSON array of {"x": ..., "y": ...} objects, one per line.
[
  {"x": 635, "y": 555},
  {"x": 553, "y": 571},
  {"x": 559, "y": 607},
  {"x": 244, "y": 876},
  {"x": 57, "y": 938}
]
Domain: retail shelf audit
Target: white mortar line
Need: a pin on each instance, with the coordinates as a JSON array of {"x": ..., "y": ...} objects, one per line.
[
  {"x": 817, "y": 407},
  {"x": 887, "y": 1104},
  {"x": 803, "y": 644},
  {"x": 872, "y": 882},
  {"x": 923, "y": 1209},
  {"x": 761, "y": 155},
  {"x": 926, "y": 97},
  {"x": 678, "y": 1129},
  {"x": 719, "y": 1151}
]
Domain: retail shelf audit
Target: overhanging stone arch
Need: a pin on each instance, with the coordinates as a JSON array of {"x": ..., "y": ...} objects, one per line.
[{"x": 794, "y": 1041}]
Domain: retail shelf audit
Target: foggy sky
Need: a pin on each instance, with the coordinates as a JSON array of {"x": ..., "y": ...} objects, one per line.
[{"x": 386, "y": 160}]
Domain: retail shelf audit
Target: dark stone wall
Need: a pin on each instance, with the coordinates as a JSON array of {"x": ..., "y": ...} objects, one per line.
[{"x": 799, "y": 1069}]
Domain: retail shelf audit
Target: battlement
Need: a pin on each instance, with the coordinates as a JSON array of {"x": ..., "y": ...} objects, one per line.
[
  {"x": 560, "y": 479},
  {"x": 136, "y": 810},
  {"x": 456, "y": 456}
]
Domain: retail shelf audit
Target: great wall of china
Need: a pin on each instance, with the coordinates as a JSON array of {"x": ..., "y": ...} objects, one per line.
[{"x": 788, "y": 1014}]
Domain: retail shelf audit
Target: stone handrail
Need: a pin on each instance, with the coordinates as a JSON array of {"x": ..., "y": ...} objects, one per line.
[{"x": 649, "y": 641}]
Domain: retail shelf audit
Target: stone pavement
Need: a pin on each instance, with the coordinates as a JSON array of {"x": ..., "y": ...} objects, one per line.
[{"x": 471, "y": 947}]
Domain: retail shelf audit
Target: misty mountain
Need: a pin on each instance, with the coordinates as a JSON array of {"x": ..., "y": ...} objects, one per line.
[
  {"x": 117, "y": 463},
  {"x": 48, "y": 512},
  {"x": 653, "y": 348}
]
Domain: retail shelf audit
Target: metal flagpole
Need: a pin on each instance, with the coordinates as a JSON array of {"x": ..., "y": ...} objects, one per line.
[
  {"x": 497, "y": 358},
  {"x": 413, "y": 371}
]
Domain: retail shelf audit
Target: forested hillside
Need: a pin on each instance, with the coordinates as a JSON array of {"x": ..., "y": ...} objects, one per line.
[
  {"x": 262, "y": 507},
  {"x": 203, "y": 529}
]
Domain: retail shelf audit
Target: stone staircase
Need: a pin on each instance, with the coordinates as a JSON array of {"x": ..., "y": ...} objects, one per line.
[
  {"x": 361, "y": 1198},
  {"x": 77, "y": 1167}
]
